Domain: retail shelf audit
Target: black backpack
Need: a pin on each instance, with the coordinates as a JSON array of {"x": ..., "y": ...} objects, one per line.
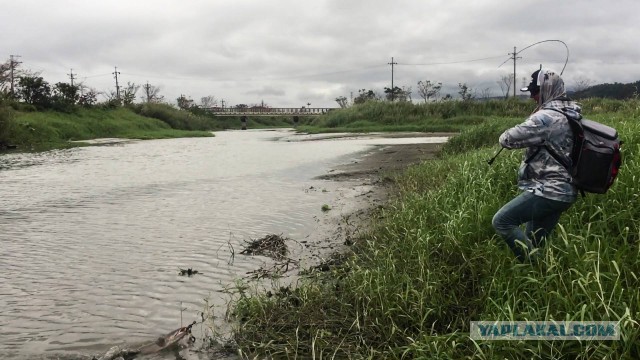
[{"x": 595, "y": 156}]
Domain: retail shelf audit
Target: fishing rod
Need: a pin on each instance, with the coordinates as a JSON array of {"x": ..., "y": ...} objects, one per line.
[
  {"x": 490, "y": 161},
  {"x": 540, "y": 42}
]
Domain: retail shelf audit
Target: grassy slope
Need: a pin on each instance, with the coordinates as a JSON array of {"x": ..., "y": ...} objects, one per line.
[
  {"x": 432, "y": 117},
  {"x": 432, "y": 264},
  {"x": 41, "y": 130}
]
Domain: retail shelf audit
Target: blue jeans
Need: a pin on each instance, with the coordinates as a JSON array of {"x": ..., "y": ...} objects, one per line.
[{"x": 540, "y": 214}]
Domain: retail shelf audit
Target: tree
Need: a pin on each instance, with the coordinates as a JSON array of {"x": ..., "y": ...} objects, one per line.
[
  {"x": 34, "y": 90},
  {"x": 582, "y": 83},
  {"x": 10, "y": 70},
  {"x": 129, "y": 93},
  {"x": 505, "y": 84},
  {"x": 65, "y": 94},
  {"x": 406, "y": 94},
  {"x": 392, "y": 94},
  {"x": 151, "y": 94},
  {"x": 342, "y": 101},
  {"x": 428, "y": 90},
  {"x": 184, "y": 103},
  {"x": 365, "y": 95},
  {"x": 397, "y": 94},
  {"x": 486, "y": 93},
  {"x": 113, "y": 100},
  {"x": 208, "y": 101},
  {"x": 89, "y": 97},
  {"x": 466, "y": 93},
  {"x": 5, "y": 79}
]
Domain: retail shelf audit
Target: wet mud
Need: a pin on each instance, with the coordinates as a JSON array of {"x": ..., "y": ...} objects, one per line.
[{"x": 363, "y": 186}]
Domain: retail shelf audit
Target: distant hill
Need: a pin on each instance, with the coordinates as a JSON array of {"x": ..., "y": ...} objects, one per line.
[{"x": 611, "y": 91}]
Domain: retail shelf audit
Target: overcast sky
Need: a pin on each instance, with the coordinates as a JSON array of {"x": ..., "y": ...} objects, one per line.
[{"x": 290, "y": 53}]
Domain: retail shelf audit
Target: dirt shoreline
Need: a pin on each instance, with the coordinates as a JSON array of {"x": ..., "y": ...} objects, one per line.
[
  {"x": 383, "y": 160},
  {"x": 360, "y": 188}
]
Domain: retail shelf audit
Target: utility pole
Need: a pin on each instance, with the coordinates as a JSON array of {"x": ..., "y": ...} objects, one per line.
[
  {"x": 392, "y": 91},
  {"x": 222, "y": 103},
  {"x": 147, "y": 87},
  {"x": 115, "y": 73},
  {"x": 71, "y": 77},
  {"x": 12, "y": 65},
  {"x": 514, "y": 57}
]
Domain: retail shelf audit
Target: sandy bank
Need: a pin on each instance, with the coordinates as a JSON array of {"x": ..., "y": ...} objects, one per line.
[{"x": 361, "y": 187}]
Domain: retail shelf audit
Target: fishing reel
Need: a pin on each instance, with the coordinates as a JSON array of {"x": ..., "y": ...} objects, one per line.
[{"x": 191, "y": 338}]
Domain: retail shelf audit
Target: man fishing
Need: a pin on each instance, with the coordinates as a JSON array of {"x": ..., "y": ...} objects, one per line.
[{"x": 547, "y": 185}]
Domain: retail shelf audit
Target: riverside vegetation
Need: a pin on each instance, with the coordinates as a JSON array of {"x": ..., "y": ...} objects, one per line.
[
  {"x": 25, "y": 128},
  {"x": 430, "y": 263}
]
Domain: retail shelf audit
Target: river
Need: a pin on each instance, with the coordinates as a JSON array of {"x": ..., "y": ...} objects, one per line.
[{"x": 93, "y": 238}]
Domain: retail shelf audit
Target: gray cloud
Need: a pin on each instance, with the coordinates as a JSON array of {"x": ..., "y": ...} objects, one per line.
[{"x": 289, "y": 52}]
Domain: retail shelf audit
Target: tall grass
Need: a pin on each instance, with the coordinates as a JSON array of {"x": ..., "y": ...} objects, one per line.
[
  {"x": 437, "y": 116},
  {"x": 176, "y": 119},
  {"x": 444, "y": 116},
  {"x": 432, "y": 263}
]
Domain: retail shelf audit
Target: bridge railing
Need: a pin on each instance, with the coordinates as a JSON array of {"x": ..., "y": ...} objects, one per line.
[{"x": 269, "y": 111}]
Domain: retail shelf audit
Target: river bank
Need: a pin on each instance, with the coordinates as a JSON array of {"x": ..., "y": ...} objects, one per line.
[
  {"x": 364, "y": 184},
  {"x": 157, "y": 207},
  {"x": 431, "y": 263}
]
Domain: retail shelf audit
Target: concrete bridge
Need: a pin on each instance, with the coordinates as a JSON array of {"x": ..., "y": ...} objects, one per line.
[{"x": 268, "y": 111}]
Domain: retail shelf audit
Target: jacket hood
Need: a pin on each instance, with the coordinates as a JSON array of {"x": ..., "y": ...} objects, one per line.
[
  {"x": 553, "y": 95},
  {"x": 551, "y": 86}
]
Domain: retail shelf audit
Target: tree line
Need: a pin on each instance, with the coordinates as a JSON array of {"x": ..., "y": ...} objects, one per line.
[
  {"x": 25, "y": 86},
  {"x": 427, "y": 90},
  {"x": 430, "y": 91},
  {"x": 616, "y": 91}
]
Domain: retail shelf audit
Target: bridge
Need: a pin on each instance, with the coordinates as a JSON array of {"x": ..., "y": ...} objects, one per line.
[{"x": 268, "y": 111}]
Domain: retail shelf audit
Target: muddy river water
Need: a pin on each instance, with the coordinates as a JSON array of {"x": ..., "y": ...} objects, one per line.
[{"x": 92, "y": 239}]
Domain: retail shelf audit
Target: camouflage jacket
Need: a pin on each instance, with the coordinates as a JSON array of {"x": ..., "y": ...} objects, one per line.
[{"x": 540, "y": 173}]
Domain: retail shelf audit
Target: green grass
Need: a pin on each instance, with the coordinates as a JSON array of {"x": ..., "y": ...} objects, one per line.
[
  {"x": 431, "y": 264},
  {"x": 45, "y": 130},
  {"x": 450, "y": 116}
]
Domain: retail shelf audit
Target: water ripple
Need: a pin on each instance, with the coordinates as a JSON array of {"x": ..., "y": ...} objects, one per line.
[{"x": 92, "y": 239}]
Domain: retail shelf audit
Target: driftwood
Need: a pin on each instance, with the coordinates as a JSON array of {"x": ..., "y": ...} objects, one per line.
[
  {"x": 273, "y": 246},
  {"x": 275, "y": 271}
]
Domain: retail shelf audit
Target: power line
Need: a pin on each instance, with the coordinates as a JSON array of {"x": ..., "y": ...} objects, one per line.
[
  {"x": 321, "y": 74},
  {"x": 454, "y": 62},
  {"x": 287, "y": 77},
  {"x": 98, "y": 75}
]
